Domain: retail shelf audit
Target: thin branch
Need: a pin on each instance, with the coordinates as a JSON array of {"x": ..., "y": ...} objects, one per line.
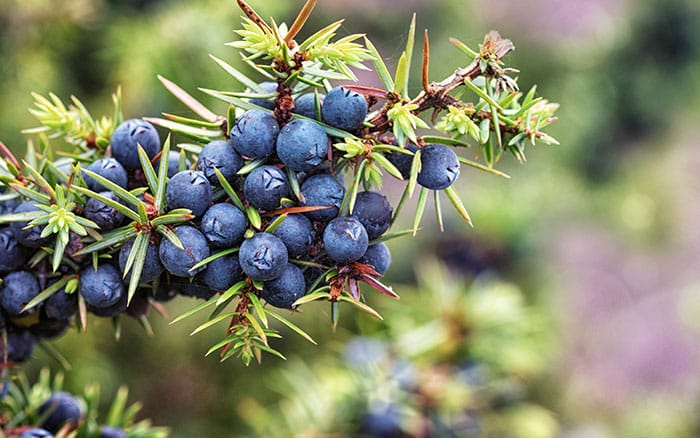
[
  {"x": 250, "y": 13},
  {"x": 426, "y": 59}
]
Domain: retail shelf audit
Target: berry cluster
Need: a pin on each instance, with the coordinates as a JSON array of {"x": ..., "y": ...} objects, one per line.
[
  {"x": 289, "y": 253},
  {"x": 44, "y": 410},
  {"x": 285, "y": 253},
  {"x": 259, "y": 210}
]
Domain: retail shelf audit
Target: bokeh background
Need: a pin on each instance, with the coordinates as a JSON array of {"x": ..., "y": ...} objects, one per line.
[{"x": 598, "y": 238}]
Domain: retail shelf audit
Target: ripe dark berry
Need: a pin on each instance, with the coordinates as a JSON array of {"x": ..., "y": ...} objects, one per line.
[
  {"x": 62, "y": 408},
  {"x": 382, "y": 421},
  {"x": 302, "y": 145},
  {"x": 323, "y": 190},
  {"x": 165, "y": 292},
  {"x": 297, "y": 234},
  {"x": 125, "y": 138},
  {"x": 194, "y": 288},
  {"x": 107, "y": 312},
  {"x": 102, "y": 287},
  {"x": 306, "y": 104},
  {"x": 61, "y": 305},
  {"x": 108, "y": 168},
  {"x": 263, "y": 257},
  {"x": 374, "y": 211},
  {"x": 344, "y": 109},
  {"x": 20, "y": 345},
  {"x": 8, "y": 205},
  {"x": 48, "y": 328},
  {"x": 223, "y": 272},
  {"x": 106, "y": 217},
  {"x": 189, "y": 189},
  {"x": 379, "y": 256},
  {"x": 284, "y": 290},
  {"x": 179, "y": 261},
  {"x": 439, "y": 167},
  {"x": 173, "y": 163},
  {"x": 403, "y": 162},
  {"x": 345, "y": 239},
  {"x": 223, "y": 225},
  {"x": 112, "y": 432},
  {"x": 11, "y": 253},
  {"x": 268, "y": 87},
  {"x": 311, "y": 275},
  {"x": 221, "y": 155},
  {"x": 152, "y": 267},
  {"x": 30, "y": 237},
  {"x": 36, "y": 433},
  {"x": 139, "y": 305},
  {"x": 265, "y": 187},
  {"x": 254, "y": 134},
  {"x": 18, "y": 289}
]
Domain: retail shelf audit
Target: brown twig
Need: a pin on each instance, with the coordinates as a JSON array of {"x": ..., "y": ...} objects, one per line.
[
  {"x": 241, "y": 308},
  {"x": 436, "y": 95},
  {"x": 426, "y": 60},
  {"x": 250, "y": 13}
]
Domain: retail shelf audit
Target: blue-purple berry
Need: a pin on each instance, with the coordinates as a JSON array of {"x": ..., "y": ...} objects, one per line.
[
  {"x": 219, "y": 154},
  {"x": 254, "y": 134},
  {"x": 382, "y": 421},
  {"x": 189, "y": 189},
  {"x": 374, "y": 211},
  {"x": 305, "y": 104},
  {"x": 178, "y": 261},
  {"x": 36, "y": 433},
  {"x": 18, "y": 289},
  {"x": 12, "y": 255},
  {"x": 323, "y": 190},
  {"x": 345, "y": 239},
  {"x": 28, "y": 237},
  {"x": 297, "y": 232},
  {"x": 173, "y": 163},
  {"x": 112, "y": 432},
  {"x": 263, "y": 256},
  {"x": 125, "y": 138},
  {"x": 152, "y": 267},
  {"x": 268, "y": 87},
  {"x": 20, "y": 345},
  {"x": 265, "y": 187},
  {"x": 284, "y": 290},
  {"x": 114, "y": 309},
  {"x": 378, "y": 256},
  {"x": 61, "y": 305},
  {"x": 108, "y": 168},
  {"x": 302, "y": 145},
  {"x": 48, "y": 328},
  {"x": 106, "y": 217},
  {"x": 403, "y": 161},
  {"x": 223, "y": 225},
  {"x": 439, "y": 167},
  {"x": 194, "y": 288},
  {"x": 60, "y": 409},
  {"x": 223, "y": 272},
  {"x": 8, "y": 205},
  {"x": 102, "y": 287},
  {"x": 344, "y": 109}
]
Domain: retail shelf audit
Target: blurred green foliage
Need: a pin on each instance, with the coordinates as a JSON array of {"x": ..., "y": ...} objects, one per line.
[
  {"x": 453, "y": 360},
  {"x": 625, "y": 76}
]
